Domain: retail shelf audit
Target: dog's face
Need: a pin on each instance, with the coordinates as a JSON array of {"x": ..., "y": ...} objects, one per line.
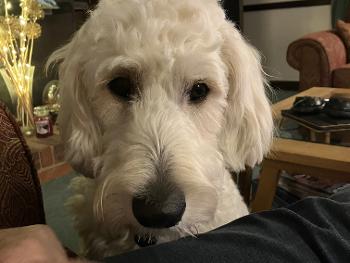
[{"x": 158, "y": 98}]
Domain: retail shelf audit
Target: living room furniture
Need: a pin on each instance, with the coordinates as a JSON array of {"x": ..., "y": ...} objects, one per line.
[
  {"x": 315, "y": 159},
  {"x": 321, "y": 59},
  {"x": 48, "y": 156},
  {"x": 20, "y": 193},
  {"x": 21, "y": 202},
  {"x": 317, "y": 124}
]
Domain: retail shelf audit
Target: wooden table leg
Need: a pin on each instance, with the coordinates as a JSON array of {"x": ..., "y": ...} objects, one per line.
[
  {"x": 312, "y": 136},
  {"x": 268, "y": 181},
  {"x": 280, "y": 123},
  {"x": 327, "y": 137}
]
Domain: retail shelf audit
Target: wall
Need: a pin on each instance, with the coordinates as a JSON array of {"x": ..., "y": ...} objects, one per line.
[{"x": 271, "y": 31}]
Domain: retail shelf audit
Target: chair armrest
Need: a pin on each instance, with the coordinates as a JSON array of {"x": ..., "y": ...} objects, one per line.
[
  {"x": 21, "y": 202},
  {"x": 315, "y": 56}
]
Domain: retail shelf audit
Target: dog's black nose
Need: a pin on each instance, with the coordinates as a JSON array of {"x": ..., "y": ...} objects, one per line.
[{"x": 161, "y": 212}]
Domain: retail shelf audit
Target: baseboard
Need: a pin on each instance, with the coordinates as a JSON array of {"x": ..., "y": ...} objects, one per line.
[{"x": 285, "y": 85}]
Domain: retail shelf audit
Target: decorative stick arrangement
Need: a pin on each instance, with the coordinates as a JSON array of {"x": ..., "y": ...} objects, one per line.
[{"x": 17, "y": 34}]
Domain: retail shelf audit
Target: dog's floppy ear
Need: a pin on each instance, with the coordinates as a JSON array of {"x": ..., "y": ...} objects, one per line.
[
  {"x": 78, "y": 126},
  {"x": 248, "y": 127}
]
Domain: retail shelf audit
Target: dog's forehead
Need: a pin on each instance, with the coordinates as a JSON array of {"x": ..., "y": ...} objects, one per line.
[
  {"x": 160, "y": 36},
  {"x": 173, "y": 9},
  {"x": 157, "y": 23}
]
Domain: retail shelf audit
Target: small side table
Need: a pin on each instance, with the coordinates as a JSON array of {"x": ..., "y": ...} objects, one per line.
[
  {"x": 48, "y": 155},
  {"x": 316, "y": 124},
  {"x": 319, "y": 160}
]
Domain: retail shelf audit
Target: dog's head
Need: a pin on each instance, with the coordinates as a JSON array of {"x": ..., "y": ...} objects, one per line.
[{"x": 158, "y": 98}]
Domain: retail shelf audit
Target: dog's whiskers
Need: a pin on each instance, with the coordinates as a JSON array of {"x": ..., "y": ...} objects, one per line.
[
  {"x": 99, "y": 211},
  {"x": 185, "y": 230},
  {"x": 194, "y": 230},
  {"x": 126, "y": 236},
  {"x": 149, "y": 236},
  {"x": 189, "y": 232},
  {"x": 192, "y": 233}
]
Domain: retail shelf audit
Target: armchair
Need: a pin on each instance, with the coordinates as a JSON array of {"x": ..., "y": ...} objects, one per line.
[
  {"x": 320, "y": 59},
  {"x": 20, "y": 193}
]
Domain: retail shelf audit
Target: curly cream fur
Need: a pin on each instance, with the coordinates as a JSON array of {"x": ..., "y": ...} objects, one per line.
[{"x": 166, "y": 46}]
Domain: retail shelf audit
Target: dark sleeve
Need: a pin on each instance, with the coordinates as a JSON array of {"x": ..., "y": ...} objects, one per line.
[{"x": 312, "y": 230}]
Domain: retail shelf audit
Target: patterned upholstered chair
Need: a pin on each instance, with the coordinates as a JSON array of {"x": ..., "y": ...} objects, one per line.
[
  {"x": 320, "y": 59},
  {"x": 21, "y": 201}
]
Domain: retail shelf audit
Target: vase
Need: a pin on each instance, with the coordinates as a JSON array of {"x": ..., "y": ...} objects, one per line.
[{"x": 21, "y": 96}]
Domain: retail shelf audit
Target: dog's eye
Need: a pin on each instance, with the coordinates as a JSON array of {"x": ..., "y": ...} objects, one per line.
[
  {"x": 198, "y": 92},
  {"x": 122, "y": 87}
]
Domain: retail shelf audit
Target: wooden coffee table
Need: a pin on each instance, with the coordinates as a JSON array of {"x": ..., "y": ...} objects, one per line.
[{"x": 319, "y": 160}]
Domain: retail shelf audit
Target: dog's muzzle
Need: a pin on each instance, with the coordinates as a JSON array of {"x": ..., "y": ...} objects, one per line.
[{"x": 159, "y": 209}]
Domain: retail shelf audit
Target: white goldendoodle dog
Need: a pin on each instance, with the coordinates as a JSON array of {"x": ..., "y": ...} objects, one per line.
[{"x": 160, "y": 100}]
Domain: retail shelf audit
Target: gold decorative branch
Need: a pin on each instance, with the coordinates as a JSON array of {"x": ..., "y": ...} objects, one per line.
[{"x": 17, "y": 34}]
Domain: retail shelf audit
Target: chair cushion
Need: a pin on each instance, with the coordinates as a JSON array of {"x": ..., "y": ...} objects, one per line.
[
  {"x": 343, "y": 29},
  {"x": 20, "y": 193},
  {"x": 341, "y": 77}
]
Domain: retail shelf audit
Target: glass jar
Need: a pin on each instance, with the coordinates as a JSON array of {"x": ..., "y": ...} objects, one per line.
[
  {"x": 43, "y": 122},
  {"x": 53, "y": 112}
]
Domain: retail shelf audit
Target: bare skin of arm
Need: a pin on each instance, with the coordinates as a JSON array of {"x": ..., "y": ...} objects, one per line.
[{"x": 30, "y": 244}]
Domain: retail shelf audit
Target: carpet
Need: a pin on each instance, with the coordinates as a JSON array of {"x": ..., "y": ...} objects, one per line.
[{"x": 55, "y": 193}]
